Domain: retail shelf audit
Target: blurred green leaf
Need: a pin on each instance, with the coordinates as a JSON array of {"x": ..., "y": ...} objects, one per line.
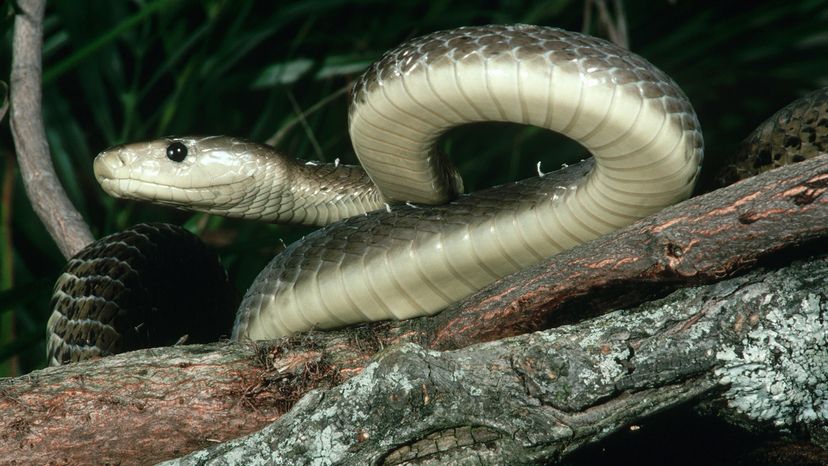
[
  {"x": 283, "y": 73},
  {"x": 100, "y": 41},
  {"x": 339, "y": 65}
]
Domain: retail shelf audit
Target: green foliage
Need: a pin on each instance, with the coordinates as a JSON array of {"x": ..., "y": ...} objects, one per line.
[{"x": 123, "y": 71}]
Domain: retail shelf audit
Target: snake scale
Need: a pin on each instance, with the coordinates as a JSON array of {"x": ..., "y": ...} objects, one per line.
[{"x": 401, "y": 240}]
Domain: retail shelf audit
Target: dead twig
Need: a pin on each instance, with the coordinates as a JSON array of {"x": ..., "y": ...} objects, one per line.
[{"x": 63, "y": 222}]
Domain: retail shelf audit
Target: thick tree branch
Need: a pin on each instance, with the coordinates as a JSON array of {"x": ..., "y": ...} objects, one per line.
[
  {"x": 62, "y": 220},
  {"x": 703, "y": 239},
  {"x": 759, "y": 339}
]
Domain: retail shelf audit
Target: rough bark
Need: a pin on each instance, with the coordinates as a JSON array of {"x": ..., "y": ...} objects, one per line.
[
  {"x": 133, "y": 408},
  {"x": 756, "y": 342},
  {"x": 703, "y": 239},
  {"x": 43, "y": 188}
]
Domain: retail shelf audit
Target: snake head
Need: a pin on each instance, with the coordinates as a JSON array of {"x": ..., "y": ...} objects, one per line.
[{"x": 195, "y": 173}]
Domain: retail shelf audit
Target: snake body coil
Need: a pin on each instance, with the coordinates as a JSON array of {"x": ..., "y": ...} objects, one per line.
[
  {"x": 411, "y": 260},
  {"x": 138, "y": 288},
  {"x": 797, "y": 132}
]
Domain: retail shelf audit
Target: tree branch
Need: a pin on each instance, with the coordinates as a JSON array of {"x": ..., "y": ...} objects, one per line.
[
  {"x": 62, "y": 220},
  {"x": 758, "y": 338},
  {"x": 699, "y": 241}
]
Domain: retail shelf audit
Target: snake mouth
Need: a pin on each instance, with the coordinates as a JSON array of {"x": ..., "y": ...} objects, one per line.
[
  {"x": 118, "y": 180},
  {"x": 191, "y": 197}
]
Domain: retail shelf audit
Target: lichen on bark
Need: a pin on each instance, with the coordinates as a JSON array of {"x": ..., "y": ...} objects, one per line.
[{"x": 539, "y": 396}]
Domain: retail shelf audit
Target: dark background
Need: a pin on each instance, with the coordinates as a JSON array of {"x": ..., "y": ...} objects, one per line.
[{"x": 120, "y": 71}]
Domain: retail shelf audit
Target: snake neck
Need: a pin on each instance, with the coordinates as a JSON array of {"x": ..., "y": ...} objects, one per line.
[{"x": 311, "y": 193}]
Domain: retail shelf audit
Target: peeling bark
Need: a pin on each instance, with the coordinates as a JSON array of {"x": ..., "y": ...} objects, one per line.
[{"x": 222, "y": 390}]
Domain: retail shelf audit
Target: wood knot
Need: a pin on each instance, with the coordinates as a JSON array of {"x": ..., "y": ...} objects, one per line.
[
  {"x": 674, "y": 250},
  {"x": 746, "y": 218}
]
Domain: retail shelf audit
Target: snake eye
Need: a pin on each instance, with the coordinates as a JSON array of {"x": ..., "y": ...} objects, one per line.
[{"x": 176, "y": 151}]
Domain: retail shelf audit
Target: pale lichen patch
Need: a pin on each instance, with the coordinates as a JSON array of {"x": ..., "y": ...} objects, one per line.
[{"x": 779, "y": 372}]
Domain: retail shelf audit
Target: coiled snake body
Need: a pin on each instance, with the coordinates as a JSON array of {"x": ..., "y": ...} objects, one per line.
[{"x": 422, "y": 246}]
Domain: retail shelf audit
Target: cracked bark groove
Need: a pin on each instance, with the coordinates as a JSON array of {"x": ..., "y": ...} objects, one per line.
[{"x": 182, "y": 399}]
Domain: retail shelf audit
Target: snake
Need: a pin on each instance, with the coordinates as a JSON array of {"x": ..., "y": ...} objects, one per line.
[
  {"x": 797, "y": 132},
  {"x": 121, "y": 292},
  {"x": 399, "y": 239}
]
